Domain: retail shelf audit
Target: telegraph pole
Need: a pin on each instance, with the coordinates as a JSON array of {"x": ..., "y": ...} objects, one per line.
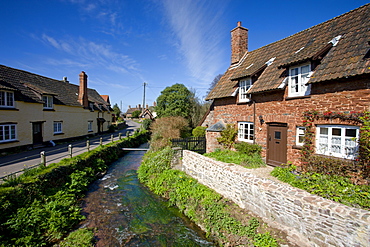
[{"x": 144, "y": 96}]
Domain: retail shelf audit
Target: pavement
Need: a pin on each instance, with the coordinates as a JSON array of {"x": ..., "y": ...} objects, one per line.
[{"x": 16, "y": 163}]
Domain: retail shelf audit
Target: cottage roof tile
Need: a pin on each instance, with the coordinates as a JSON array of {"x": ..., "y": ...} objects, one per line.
[
  {"x": 30, "y": 87},
  {"x": 344, "y": 59}
]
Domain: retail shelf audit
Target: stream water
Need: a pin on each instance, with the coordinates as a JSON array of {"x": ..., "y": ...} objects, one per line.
[{"x": 125, "y": 213}]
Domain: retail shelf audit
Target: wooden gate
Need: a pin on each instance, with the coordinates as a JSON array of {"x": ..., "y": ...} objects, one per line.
[{"x": 196, "y": 144}]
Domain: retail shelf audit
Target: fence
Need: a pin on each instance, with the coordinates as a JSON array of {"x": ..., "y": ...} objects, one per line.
[
  {"x": 56, "y": 154},
  {"x": 195, "y": 144}
]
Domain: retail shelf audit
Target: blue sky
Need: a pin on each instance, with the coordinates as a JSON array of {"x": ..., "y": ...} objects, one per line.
[{"x": 121, "y": 44}]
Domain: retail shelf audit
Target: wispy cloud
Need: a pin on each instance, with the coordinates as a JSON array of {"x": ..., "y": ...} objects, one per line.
[
  {"x": 106, "y": 11},
  {"x": 198, "y": 35},
  {"x": 87, "y": 53}
]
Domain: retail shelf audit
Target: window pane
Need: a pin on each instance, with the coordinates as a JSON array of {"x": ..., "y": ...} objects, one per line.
[
  {"x": 6, "y": 132},
  {"x": 305, "y": 69},
  {"x": 294, "y": 72},
  {"x": 12, "y": 132},
  {"x": 324, "y": 131},
  {"x": 2, "y": 98},
  {"x": 277, "y": 135},
  {"x": 351, "y": 132},
  {"x": 9, "y": 99},
  {"x": 301, "y": 139},
  {"x": 336, "y": 132}
]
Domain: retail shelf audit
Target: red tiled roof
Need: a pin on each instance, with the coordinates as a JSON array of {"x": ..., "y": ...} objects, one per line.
[{"x": 346, "y": 59}]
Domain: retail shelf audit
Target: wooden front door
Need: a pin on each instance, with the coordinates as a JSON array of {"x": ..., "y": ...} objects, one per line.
[
  {"x": 276, "y": 144},
  {"x": 37, "y": 133}
]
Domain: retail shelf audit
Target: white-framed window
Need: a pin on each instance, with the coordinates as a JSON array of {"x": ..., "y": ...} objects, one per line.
[
  {"x": 298, "y": 78},
  {"x": 48, "y": 101},
  {"x": 57, "y": 127},
  {"x": 244, "y": 87},
  {"x": 8, "y": 132},
  {"x": 337, "y": 140},
  {"x": 300, "y": 136},
  {"x": 90, "y": 126},
  {"x": 6, "y": 99},
  {"x": 245, "y": 131}
]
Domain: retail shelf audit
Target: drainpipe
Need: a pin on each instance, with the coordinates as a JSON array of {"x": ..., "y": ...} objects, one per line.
[{"x": 254, "y": 121}]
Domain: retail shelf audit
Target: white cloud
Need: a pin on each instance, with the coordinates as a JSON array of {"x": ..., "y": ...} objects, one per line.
[
  {"x": 198, "y": 35},
  {"x": 91, "y": 54}
]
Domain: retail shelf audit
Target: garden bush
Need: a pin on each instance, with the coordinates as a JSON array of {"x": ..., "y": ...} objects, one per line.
[
  {"x": 166, "y": 128},
  {"x": 199, "y": 131},
  {"x": 146, "y": 124},
  {"x": 248, "y": 148}
]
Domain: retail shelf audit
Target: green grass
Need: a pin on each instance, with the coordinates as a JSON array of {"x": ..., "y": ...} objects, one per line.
[
  {"x": 332, "y": 187},
  {"x": 249, "y": 161}
]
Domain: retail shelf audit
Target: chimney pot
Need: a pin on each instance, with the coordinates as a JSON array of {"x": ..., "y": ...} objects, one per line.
[
  {"x": 239, "y": 43},
  {"x": 82, "y": 93}
]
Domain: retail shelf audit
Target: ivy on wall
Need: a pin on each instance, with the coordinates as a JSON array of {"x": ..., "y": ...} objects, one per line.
[{"x": 361, "y": 165}]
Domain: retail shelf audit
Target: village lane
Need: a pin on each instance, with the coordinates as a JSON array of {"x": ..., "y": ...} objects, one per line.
[{"x": 15, "y": 163}]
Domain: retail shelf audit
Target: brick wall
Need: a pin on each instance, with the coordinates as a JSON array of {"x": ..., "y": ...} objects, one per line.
[
  {"x": 277, "y": 107},
  {"x": 309, "y": 220}
]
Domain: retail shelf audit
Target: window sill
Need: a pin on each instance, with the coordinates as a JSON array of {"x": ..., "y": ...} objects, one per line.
[
  {"x": 10, "y": 141},
  {"x": 297, "y": 97},
  {"x": 89, "y": 131},
  {"x": 297, "y": 147},
  {"x": 46, "y": 109},
  {"x": 243, "y": 102},
  {"x": 57, "y": 134},
  {"x": 8, "y": 108}
]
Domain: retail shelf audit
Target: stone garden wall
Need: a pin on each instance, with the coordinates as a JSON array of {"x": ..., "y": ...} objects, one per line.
[{"x": 309, "y": 220}]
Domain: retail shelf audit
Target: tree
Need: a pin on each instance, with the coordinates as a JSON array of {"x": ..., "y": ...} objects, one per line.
[
  {"x": 214, "y": 82},
  {"x": 174, "y": 101},
  {"x": 136, "y": 114},
  {"x": 116, "y": 110},
  {"x": 198, "y": 110}
]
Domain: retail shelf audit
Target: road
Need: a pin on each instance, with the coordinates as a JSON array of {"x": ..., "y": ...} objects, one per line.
[{"x": 15, "y": 163}]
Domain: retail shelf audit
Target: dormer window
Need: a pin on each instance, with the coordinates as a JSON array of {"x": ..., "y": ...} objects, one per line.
[
  {"x": 48, "y": 101},
  {"x": 244, "y": 87},
  {"x": 6, "y": 99},
  {"x": 298, "y": 78}
]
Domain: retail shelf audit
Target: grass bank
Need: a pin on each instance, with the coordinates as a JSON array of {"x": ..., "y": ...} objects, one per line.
[
  {"x": 205, "y": 207},
  {"x": 41, "y": 206}
]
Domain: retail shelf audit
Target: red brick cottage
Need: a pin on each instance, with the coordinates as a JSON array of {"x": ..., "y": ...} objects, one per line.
[{"x": 265, "y": 92}]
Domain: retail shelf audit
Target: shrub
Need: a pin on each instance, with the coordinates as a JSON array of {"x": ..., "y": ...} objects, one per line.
[
  {"x": 167, "y": 128},
  {"x": 146, "y": 124},
  {"x": 227, "y": 137},
  {"x": 248, "y": 148},
  {"x": 135, "y": 114},
  {"x": 199, "y": 131}
]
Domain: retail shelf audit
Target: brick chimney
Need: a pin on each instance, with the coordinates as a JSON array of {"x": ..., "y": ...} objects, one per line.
[
  {"x": 239, "y": 43},
  {"x": 82, "y": 93}
]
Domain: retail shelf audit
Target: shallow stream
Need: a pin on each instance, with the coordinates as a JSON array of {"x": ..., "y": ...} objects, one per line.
[{"x": 125, "y": 213}]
